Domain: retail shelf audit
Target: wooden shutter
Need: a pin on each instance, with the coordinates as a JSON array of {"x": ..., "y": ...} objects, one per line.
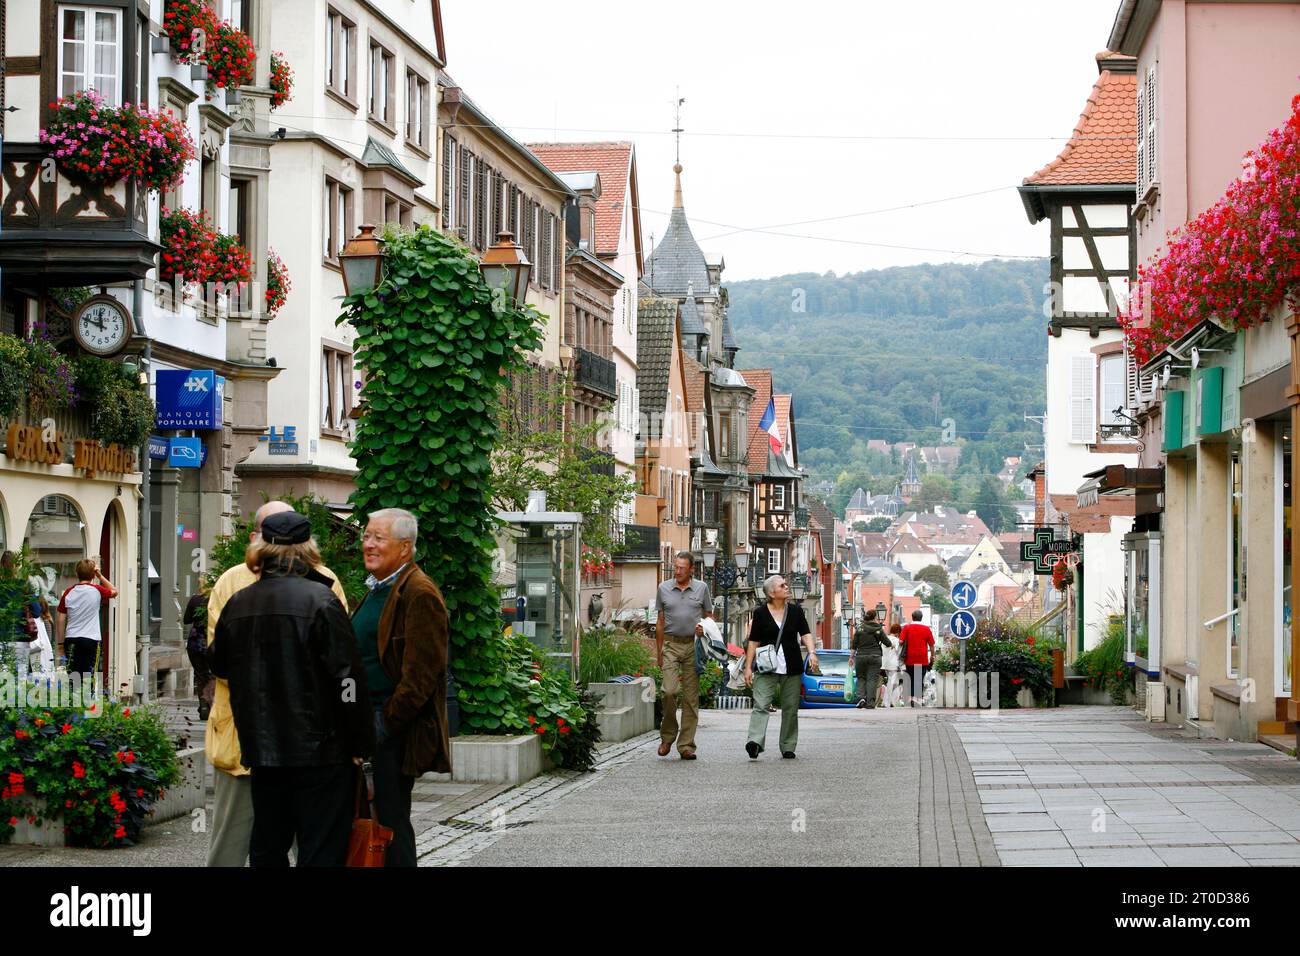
[
  {"x": 1151, "y": 126},
  {"x": 464, "y": 159},
  {"x": 497, "y": 182},
  {"x": 1083, "y": 399},
  {"x": 1142, "y": 141},
  {"x": 449, "y": 151},
  {"x": 482, "y": 186},
  {"x": 557, "y": 248},
  {"x": 514, "y": 212}
]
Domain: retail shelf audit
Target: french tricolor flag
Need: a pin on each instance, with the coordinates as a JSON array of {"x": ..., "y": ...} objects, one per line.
[{"x": 768, "y": 424}]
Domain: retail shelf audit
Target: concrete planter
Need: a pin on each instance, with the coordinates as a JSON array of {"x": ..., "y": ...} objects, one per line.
[
  {"x": 182, "y": 799},
  {"x": 189, "y": 794},
  {"x": 482, "y": 758},
  {"x": 624, "y": 712}
]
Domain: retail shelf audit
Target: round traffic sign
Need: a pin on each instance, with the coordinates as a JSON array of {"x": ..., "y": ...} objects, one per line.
[
  {"x": 963, "y": 595},
  {"x": 962, "y": 625}
]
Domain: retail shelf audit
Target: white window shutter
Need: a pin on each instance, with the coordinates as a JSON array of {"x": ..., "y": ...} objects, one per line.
[
  {"x": 1141, "y": 140},
  {"x": 1083, "y": 401},
  {"x": 1151, "y": 126},
  {"x": 636, "y": 409}
]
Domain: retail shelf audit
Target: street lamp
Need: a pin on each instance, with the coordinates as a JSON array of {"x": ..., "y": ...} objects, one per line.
[
  {"x": 710, "y": 552},
  {"x": 800, "y": 587},
  {"x": 504, "y": 266},
  {"x": 880, "y": 612},
  {"x": 362, "y": 260}
]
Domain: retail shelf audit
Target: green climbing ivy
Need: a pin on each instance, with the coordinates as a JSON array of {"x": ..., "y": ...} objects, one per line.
[{"x": 437, "y": 354}]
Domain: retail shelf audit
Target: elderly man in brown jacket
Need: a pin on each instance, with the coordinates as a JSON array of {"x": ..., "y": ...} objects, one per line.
[{"x": 401, "y": 629}]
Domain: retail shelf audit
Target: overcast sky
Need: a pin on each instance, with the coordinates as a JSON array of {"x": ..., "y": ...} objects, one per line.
[{"x": 802, "y": 111}]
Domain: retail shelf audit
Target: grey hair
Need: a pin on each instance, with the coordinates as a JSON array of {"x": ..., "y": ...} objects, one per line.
[
  {"x": 769, "y": 584},
  {"x": 406, "y": 527},
  {"x": 688, "y": 556}
]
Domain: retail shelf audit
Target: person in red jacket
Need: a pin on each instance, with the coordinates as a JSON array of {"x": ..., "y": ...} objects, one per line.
[{"x": 916, "y": 651}]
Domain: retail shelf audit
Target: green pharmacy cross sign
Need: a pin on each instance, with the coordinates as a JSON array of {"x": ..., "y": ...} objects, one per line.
[{"x": 1045, "y": 550}]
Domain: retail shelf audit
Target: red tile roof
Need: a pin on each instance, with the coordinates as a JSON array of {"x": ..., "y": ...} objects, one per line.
[
  {"x": 760, "y": 380},
  {"x": 613, "y": 162},
  {"x": 1103, "y": 149}
]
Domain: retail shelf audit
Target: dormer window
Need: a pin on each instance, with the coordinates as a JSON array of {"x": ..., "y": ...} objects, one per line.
[{"x": 90, "y": 51}]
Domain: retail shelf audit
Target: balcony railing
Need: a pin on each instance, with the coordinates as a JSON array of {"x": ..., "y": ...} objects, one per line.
[
  {"x": 600, "y": 462},
  {"x": 596, "y": 373},
  {"x": 640, "y": 543},
  {"x": 64, "y": 228}
]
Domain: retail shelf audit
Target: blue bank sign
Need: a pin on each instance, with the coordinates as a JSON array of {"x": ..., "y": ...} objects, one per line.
[{"x": 189, "y": 398}]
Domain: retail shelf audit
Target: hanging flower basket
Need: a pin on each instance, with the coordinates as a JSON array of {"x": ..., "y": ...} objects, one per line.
[
  {"x": 231, "y": 263},
  {"x": 50, "y": 382},
  {"x": 277, "y": 283},
  {"x": 187, "y": 241},
  {"x": 281, "y": 80},
  {"x": 190, "y": 26},
  {"x": 1062, "y": 576},
  {"x": 231, "y": 58},
  {"x": 595, "y": 561},
  {"x": 106, "y": 144}
]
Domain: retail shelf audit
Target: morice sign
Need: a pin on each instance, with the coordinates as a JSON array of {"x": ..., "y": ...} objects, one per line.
[{"x": 28, "y": 443}]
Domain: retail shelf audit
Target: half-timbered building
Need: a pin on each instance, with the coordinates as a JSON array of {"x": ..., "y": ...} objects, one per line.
[{"x": 1086, "y": 194}]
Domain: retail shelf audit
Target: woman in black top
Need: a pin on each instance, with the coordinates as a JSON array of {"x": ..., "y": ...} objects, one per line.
[{"x": 782, "y": 624}]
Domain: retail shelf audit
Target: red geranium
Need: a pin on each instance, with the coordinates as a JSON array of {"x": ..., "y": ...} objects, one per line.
[
  {"x": 281, "y": 80},
  {"x": 277, "y": 283},
  {"x": 231, "y": 58},
  {"x": 189, "y": 25}
]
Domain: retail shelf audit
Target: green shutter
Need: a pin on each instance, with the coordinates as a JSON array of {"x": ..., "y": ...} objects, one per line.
[
  {"x": 1173, "y": 417},
  {"x": 1209, "y": 401}
]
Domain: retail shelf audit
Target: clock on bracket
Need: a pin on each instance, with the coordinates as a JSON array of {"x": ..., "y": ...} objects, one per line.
[{"x": 102, "y": 325}]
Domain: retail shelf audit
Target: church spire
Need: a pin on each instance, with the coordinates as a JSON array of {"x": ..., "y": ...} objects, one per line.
[{"x": 677, "y": 192}]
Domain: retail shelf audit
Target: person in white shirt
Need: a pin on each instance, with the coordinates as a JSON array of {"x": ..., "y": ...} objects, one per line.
[{"x": 79, "y": 616}]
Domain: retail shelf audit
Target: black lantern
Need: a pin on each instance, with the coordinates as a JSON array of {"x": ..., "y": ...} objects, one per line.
[{"x": 504, "y": 266}]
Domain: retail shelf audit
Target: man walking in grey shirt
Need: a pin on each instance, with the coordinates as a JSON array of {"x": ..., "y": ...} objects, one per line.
[{"x": 683, "y": 601}]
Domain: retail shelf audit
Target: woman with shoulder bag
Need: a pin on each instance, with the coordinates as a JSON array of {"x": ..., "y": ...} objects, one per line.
[{"x": 774, "y": 665}]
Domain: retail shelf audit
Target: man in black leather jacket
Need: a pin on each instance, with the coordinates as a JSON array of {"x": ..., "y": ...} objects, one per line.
[{"x": 299, "y": 698}]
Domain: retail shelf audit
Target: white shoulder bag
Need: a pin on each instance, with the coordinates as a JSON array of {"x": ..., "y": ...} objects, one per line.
[{"x": 765, "y": 656}]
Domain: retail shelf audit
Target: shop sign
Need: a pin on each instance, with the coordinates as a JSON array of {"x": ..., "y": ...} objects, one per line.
[
  {"x": 189, "y": 398},
  {"x": 157, "y": 448},
  {"x": 283, "y": 443},
  {"x": 185, "y": 453},
  {"x": 29, "y": 443},
  {"x": 1045, "y": 550}
]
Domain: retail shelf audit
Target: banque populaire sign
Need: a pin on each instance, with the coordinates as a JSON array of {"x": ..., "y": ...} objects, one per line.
[{"x": 189, "y": 398}]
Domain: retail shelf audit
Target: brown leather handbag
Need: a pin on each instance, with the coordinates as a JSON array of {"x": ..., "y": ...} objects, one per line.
[{"x": 369, "y": 843}]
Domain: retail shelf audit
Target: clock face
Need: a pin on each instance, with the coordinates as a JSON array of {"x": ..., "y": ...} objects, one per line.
[{"x": 102, "y": 327}]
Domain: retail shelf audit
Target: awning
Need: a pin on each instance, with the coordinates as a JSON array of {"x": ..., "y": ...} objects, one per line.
[{"x": 1120, "y": 481}]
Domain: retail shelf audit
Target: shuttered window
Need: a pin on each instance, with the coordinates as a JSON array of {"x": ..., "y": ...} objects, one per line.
[
  {"x": 464, "y": 162},
  {"x": 546, "y": 250},
  {"x": 1083, "y": 401},
  {"x": 1151, "y": 127},
  {"x": 449, "y": 150},
  {"x": 557, "y": 249},
  {"x": 498, "y": 181},
  {"x": 1113, "y": 381},
  {"x": 482, "y": 188},
  {"x": 514, "y": 212},
  {"x": 1142, "y": 140},
  {"x": 1136, "y": 384}
]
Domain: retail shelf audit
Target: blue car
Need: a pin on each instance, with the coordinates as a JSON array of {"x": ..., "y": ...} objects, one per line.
[{"x": 828, "y": 689}]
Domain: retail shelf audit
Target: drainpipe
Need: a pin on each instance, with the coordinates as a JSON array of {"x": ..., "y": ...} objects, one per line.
[{"x": 141, "y": 684}]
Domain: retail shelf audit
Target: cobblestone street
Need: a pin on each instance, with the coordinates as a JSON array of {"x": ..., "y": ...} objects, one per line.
[{"x": 1074, "y": 786}]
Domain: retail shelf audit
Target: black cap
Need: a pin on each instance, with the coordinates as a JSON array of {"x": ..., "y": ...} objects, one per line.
[{"x": 286, "y": 527}]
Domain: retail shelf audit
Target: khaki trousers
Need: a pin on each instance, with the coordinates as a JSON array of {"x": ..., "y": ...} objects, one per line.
[
  {"x": 680, "y": 681},
  {"x": 782, "y": 689},
  {"x": 232, "y": 820}
]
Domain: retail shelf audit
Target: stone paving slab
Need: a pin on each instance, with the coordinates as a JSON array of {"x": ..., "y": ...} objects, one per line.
[{"x": 1161, "y": 799}]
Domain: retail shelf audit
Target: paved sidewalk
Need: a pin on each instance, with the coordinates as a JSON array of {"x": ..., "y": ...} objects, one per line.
[{"x": 1098, "y": 786}]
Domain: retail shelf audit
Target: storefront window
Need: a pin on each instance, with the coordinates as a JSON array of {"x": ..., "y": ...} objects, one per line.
[
  {"x": 56, "y": 540},
  {"x": 1285, "y": 483},
  {"x": 1234, "y": 565}
]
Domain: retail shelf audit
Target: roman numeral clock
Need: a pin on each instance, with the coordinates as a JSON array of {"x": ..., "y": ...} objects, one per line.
[{"x": 102, "y": 326}]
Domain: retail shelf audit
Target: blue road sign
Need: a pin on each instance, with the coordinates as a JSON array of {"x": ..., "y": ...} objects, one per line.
[
  {"x": 962, "y": 625},
  {"x": 963, "y": 595}
]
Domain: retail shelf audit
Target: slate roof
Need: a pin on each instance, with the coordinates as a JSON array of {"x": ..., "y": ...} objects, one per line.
[
  {"x": 613, "y": 161},
  {"x": 910, "y": 478},
  {"x": 655, "y": 335},
  {"x": 858, "y": 502},
  {"x": 676, "y": 263},
  {"x": 818, "y": 511},
  {"x": 728, "y": 338},
  {"x": 692, "y": 324},
  {"x": 377, "y": 154},
  {"x": 909, "y": 544}
]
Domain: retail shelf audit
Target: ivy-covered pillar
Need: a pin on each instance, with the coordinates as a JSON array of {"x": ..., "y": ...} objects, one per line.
[{"x": 436, "y": 348}]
